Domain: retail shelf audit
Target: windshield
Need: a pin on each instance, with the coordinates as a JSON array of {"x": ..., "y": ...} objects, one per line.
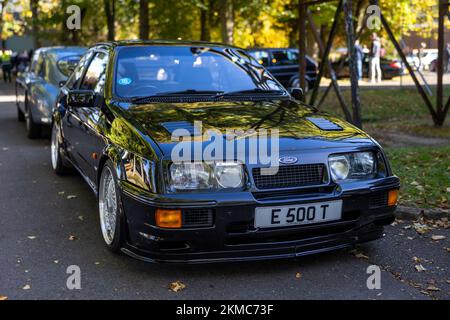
[{"x": 151, "y": 70}]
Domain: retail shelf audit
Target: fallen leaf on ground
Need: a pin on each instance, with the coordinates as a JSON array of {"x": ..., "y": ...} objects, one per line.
[
  {"x": 417, "y": 260},
  {"x": 26, "y": 287},
  {"x": 71, "y": 197},
  {"x": 425, "y": 292},
  {"x": 421, "y": 228},
  {"x": 56, "y": 261},
  {"x": 298, "y": 275},
  {"x": 358, "y": 254},
  {"x": 61, "y": 193},
  {"x": 433, "y": 288},
  {"x": 437, "y": 237},
  {"x": 72, "y": 238},
  {"x": 420, "y": 268},
  {"x": 31, "y": 237},
  {"x": 3, "y": 298},
  {"x": 81, "y": 218},
  {"x": 177, "y": 286}
]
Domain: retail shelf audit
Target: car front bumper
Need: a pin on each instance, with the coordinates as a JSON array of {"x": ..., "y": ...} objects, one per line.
[{"x": 232, "y": 237}]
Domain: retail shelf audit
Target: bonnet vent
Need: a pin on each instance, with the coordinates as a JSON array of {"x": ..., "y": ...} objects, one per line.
[
  {"x": 172, "y": 126},
  {"x": 325, "y": 124}
]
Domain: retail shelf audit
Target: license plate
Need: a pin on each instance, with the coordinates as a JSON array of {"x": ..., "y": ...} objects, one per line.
[{"x": 283, "y": 216}]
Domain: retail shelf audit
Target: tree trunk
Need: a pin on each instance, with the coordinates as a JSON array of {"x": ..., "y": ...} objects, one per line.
[
  {"x": 205, "y": 34},
  {"x": 227, "y": 20},
  {"x": 144, "y": 28},
  {"x": 110, "y": 13},
  {"x": 356, "y": 105},
  {"x": 302, "y": 44},
  {"x": 34, "y": 6},
  {"x": 2, "y": 11}
]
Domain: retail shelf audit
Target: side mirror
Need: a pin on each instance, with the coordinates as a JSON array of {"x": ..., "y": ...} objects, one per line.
[
  {"x": 296, "y": 93},
  {"x": 81, "y": 99}
]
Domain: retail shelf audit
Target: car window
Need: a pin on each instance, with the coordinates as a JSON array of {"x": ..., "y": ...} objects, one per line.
[
  {"x": 75, "y": 79},
  {"x": 149, "y": 70},
  {"x": 284, "y": 58},
  {"x": 261, "y": 56},
  {"x": 34, "y": 61},
  {"x": 94, "y": 78},
  {"x": 40, "y": 66}
]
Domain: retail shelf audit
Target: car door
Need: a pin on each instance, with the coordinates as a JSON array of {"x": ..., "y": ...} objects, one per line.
[
  {"x": 90, "y": 141},
  {"x": 36, "y": 88},
  {"x": 70, "y": 120},
  {"x": 22, "y": 81}
]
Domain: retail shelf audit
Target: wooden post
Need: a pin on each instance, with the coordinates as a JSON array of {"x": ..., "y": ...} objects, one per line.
[
  {"x": 326, "y": 52},
  {"x": 440, "y": 63},
  {"x": 334, "y": 82},
  {"x": 356, "y": 104},
  {"x": 302, "y": 45}
]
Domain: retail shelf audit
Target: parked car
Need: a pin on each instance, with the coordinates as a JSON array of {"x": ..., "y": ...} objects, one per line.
[
  {"x": 283, "y": 65},
  {"x": 426, "y": 60},
  {"x": 389, "y": 68},
  {"x": 129, "y": 107},
  {"x": 37, "y": 87}
]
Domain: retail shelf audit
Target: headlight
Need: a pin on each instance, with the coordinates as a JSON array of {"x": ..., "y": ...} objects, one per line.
[
  {"x": 204, "y": 176},
  {"x": 357, "y": 166},
  {"x": 229, "y": 175}
]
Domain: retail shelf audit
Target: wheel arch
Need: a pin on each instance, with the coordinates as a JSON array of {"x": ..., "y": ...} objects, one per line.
[{"x": 111, "y": 153}]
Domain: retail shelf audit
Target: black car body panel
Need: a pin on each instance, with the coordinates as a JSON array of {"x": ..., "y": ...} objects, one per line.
[
  {"x": 118, "y": 127},
  {"x": 283, "y": 64}
]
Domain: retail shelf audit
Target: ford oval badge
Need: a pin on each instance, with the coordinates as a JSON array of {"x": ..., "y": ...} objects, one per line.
[{"x": 288, "y": 160}]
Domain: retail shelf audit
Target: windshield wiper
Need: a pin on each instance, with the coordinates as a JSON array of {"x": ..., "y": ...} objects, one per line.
[
  {"x": 177, "y": 93},
  {"x": 188, "y": 91},
  {"x": 257, "y": 91}
]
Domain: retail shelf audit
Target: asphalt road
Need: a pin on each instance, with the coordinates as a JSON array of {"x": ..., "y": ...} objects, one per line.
[{"x": 37, "y": 221}]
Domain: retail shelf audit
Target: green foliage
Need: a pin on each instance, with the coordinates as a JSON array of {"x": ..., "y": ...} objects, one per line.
[
  {"x": 256, "y": 22},
  {"x": 425, "y": 175}
]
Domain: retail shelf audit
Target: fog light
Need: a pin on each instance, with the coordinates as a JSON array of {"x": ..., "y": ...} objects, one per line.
[
  {"x": 392, "y": 198},
  {"x": 168, "y": 218}
]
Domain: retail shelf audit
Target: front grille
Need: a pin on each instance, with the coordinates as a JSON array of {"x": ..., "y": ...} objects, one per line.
[
  {"x": 197, "y": 218},
  {"x": 378, "y": 200},
  {"x": 290, "y": 176}
]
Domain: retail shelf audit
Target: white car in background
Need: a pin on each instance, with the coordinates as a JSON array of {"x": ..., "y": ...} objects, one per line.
[{"x": 427, "y": 57}]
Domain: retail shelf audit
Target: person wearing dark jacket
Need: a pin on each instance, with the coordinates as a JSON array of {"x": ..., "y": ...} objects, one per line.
[{"x": 359, "y": 59}]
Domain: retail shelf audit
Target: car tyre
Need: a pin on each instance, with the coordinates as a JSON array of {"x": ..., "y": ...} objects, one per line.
[
  {"x": 295, "y": 83},
  {"x": 112, "y": 218},
  {"x": 57, "y": 160},
  {"x": 34, "y": 129},
  {"x": 20, "y": 115}
]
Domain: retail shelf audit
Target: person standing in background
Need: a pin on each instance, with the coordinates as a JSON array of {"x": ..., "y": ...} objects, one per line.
[
  {"x": 359, "y": 59},
  {"x": 420, "y": 55},
  {"x": 447, "y": 57},
  {"x": 375, "y": 54},
  {"x": 6, "y": 65}
]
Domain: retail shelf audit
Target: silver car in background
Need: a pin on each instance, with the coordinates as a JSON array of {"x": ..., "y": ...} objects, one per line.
[{"x": 38, "y": 87}]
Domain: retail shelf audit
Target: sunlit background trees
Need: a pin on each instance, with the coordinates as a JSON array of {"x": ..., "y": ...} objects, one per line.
[{"x": 245, "y": 23}]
